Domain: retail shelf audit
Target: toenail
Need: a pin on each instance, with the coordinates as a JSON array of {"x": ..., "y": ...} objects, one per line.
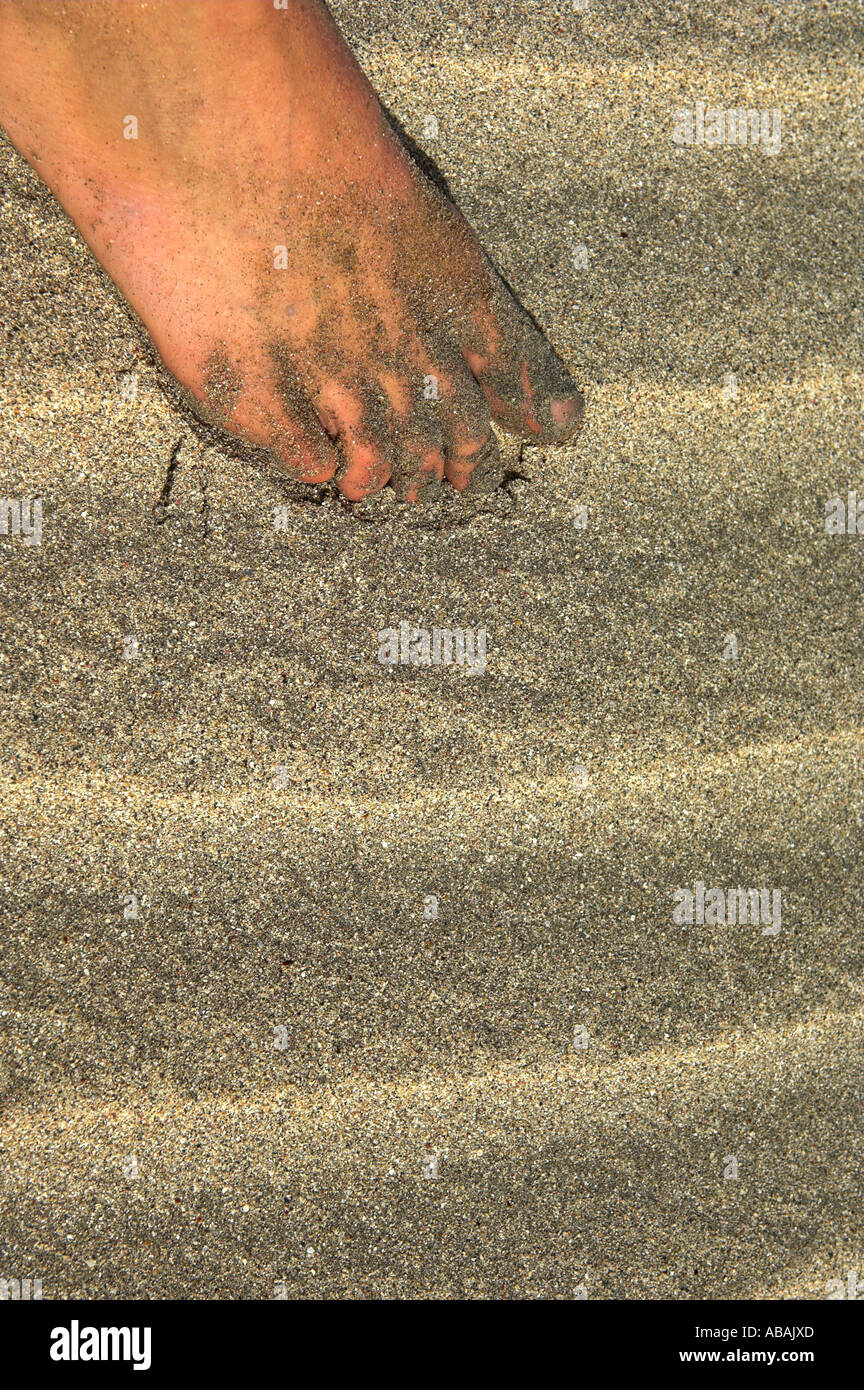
[{"x": 566, "y": 411}]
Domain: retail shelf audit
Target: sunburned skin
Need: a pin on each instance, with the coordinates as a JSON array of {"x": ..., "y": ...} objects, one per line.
[{"x": 310, "y": 289}]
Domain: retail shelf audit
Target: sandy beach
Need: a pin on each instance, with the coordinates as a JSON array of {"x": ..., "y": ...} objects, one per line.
[{"x": 324, "y": 978}]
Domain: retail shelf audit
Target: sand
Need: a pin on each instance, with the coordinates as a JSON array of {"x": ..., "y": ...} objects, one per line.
[{"x": 245, "y": 1086}]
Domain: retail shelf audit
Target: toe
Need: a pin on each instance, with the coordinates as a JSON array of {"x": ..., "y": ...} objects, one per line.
[
  {"x": 527, "y": 386},
  {"x": 466, "y": 412},
  {"x": 299, "y": 446},
  {"x": 478, "y": 474},
  {"x": 473, "y": 465},
  {"x": 420, "y": 468},
  {"x": 367, "y": 467},
  {"x": 415, "y": 423},
  {"x": 361, "y": 421},
  {"x": 247, "y": 400}
]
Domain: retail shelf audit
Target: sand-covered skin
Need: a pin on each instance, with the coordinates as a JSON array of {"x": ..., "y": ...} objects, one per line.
[{"x": 281, "y": 804}]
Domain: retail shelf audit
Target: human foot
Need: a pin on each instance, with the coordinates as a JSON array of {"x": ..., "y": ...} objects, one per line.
[{"x": 232, "y": 170}]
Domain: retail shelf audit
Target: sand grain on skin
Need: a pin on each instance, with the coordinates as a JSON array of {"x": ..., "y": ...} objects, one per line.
[{"x": 608, "y": 755}]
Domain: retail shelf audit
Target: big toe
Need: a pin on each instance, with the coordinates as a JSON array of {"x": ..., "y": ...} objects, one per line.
[{"x": 529, "y": 389}]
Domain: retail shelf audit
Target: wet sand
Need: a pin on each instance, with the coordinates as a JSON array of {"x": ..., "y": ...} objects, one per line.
[{"x": 242, "y": 1087}]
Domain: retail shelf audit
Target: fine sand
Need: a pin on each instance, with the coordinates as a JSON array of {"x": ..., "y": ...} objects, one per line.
[{"x": 244, "y": 1090}]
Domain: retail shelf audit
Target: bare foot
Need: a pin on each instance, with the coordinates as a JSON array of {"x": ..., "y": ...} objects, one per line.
[{"x": 232, "y": 170}]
